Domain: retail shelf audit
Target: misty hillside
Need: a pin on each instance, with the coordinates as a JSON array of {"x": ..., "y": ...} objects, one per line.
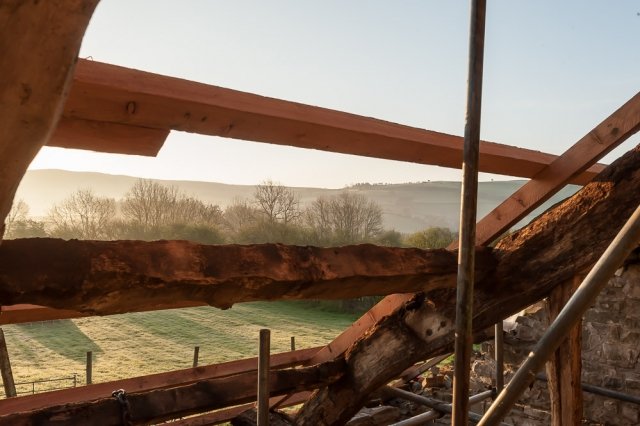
[{"x": 407, "y": 207}]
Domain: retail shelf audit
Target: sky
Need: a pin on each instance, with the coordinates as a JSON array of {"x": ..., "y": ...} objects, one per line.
[{"x": 553, "y": 70}]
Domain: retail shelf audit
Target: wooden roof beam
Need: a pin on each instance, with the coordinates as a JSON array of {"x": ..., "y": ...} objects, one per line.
[
  {"x": 108, "y": 277},
  {"x": 112, "y": 94}
]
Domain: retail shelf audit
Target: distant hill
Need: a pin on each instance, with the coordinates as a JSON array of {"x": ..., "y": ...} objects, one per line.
[{"x": 408, "y": 207}]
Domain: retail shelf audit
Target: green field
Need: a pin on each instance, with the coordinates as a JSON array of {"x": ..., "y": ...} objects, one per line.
[{"x": 151, "y": 342}]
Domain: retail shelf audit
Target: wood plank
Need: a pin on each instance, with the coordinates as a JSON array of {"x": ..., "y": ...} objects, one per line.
[
  {"x": 169, "y": 403},
  {"x": 103, "y": 92},
  {"x": 108, "y": 277},
  {"x": 531, "y": 262},
  {"x": 607, "y": 135},
  {"x": 153, "y": 381},
  {"x": 113, "y": 138},
  {"x": 564, "y": 370},
  {"x": 31, "y": 99},
  {"x": 530, "y": 196}
]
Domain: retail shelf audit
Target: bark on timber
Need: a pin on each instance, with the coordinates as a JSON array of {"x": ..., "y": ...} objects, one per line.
[
  {"x": 107, "y": 277},
  {"x": 169, "y": 403},
  {"x": 39, "y": 41},
  {"x": 549, "y": 252}
]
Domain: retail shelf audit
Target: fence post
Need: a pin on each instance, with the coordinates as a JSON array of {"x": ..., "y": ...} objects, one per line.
[
  {"x": 196, "y": 352},
  {"x": 293, "y": 343},
  {"x": 5, "y": 368},
  {"x": 89, "y": 367},
  {"x": 75, "y": 380},
  {"x": 263, "y": 377}
]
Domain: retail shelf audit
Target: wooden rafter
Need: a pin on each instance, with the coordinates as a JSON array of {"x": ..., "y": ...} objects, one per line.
[
  {"x": 112, "y": 94},
  {"x": 607, "y": 135},
  {"x": 548, "y": 252},
  {"x": 612, "y": 131}
]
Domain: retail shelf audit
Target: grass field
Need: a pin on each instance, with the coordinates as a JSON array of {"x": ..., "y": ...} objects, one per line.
[{"x": 151, "y": 342}]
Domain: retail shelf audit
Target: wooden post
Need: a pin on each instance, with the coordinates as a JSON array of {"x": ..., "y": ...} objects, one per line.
[
  {"x": 263, "y": 377},
  {"x": 196, "y": 352},
  {"x": 89, "y": 367},
  {"x": 5, "y": 368},
  {"x": 293, "y": 343},
  {"x": 565, "y": 366}
]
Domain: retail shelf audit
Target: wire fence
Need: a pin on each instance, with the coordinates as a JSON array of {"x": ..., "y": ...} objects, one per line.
[{"x": 46, "y": 385}]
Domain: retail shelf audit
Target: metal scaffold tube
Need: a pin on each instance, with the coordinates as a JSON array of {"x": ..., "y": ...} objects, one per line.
[
  {"x": 468, "y": 213},
  {"x": 439, "y": 408},
  {"x": 626, "y": 240},
  {"x": 499, "y": 355}
]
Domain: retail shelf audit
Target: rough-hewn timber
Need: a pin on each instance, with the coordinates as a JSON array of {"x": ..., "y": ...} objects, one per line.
[
  {"x": 550, "y": 251},
  {"x": 170, "y": 403},
  {"x": 39, "y": 41},
  {"x": 109, "y": 277}
]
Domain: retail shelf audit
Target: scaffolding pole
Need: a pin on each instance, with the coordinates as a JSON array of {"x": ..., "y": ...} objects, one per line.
[
  {"x": 626, "y": 240},
  {"x": 499, "y": 355},
  {"x": 468, "y": 209},
  {"x": 433, "y": 414}
]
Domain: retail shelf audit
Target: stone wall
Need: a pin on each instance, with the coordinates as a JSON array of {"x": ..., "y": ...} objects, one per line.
[{"x": 610, "y": 352}]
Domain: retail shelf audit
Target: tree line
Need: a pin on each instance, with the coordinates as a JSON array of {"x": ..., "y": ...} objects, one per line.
[{"x": 152, "y": 211}]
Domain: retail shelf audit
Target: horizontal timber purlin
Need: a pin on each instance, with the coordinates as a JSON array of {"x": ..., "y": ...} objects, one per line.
[
  {"x": 111, "y": 277},
  {"x": 153, "y": 381},
  {"x": 108, "y": 93},
  {"x": 612, "y": 131}
]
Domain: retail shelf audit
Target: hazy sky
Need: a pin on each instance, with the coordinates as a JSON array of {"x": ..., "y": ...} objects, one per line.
[{"x": 553, "y": 70}]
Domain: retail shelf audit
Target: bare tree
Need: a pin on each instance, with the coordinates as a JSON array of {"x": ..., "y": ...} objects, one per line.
[
  {"x": 192, "y": 211},
  {"x": 346, "y": 218},
  {"x": 18, "y": 213},
  {"x": 240, "y": 215},
  {"x": 149, "y": 204},
  {"x": 277, "y": 202},
  {"x": 83, "y": 215}
]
